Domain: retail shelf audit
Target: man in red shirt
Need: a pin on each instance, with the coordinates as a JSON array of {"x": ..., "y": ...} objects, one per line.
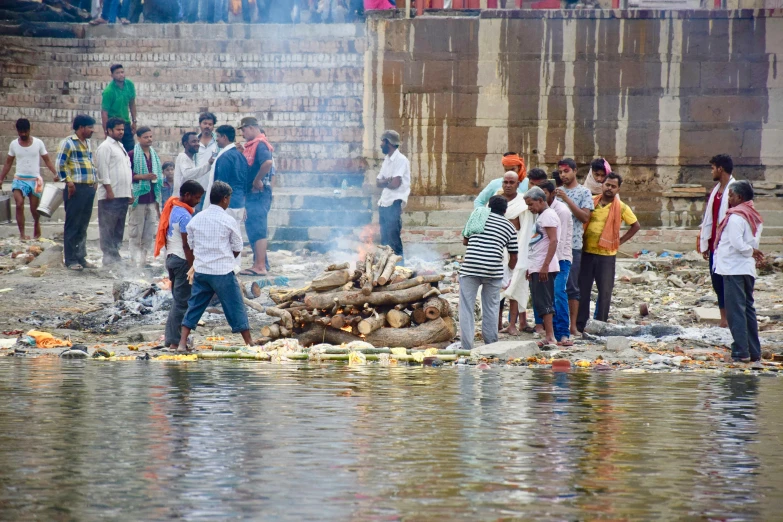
[{"x": 714, "y": 212}]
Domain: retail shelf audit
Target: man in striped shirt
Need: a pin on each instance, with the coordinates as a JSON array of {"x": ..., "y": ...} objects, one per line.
[{"x": 483, "y": 266}]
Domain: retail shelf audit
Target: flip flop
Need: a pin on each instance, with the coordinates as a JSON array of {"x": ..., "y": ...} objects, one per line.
[
  {"x": 76, "y": 267},
  {"x": 565, "y": 343},
  {"x": 251, "y": 272},
  {"x": 529, "y": 329},
  {"x": 98, "y": 21}
]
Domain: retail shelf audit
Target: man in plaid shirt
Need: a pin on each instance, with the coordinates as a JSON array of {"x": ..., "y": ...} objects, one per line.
[
  {"x": 215, "y": 239},
  {"x": 75, "y": 166}
]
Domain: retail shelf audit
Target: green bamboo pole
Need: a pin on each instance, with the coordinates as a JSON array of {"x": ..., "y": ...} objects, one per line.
[{"x": 261, "y": 356}]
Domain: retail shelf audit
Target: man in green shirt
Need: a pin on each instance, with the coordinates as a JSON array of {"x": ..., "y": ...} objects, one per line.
[{"x": 119, "y": 101}]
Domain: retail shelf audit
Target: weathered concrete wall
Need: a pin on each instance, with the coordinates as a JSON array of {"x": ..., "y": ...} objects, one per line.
[{"x": 656, "y": 93}]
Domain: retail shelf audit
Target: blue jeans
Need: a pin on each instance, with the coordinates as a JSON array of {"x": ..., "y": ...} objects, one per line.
[
  {"x": 110, "y": 10},
  {"x": 561, "y": 323},
  {"x": 390, "y": 219},
  {"x": 227, "y": 289}
]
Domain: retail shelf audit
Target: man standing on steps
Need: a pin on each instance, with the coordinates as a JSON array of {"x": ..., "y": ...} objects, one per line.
[
  {"x": 119, "y": 101},
  {"x": 714, "y": 212},
  {"x": 185, "y": 168},
  {"x": 395, "y": 180},
  {"x": 258, "y": 193},
  {"x": 580, "y": 202},
  {"x": 75, "y": 166},
  {"x": 114, "y": 191}
]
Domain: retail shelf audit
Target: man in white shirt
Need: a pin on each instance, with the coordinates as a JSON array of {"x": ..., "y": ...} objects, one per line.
[
  {"x": 395, "y": 180},
  {"x": 215, "y": 239},
  {"x": 27, "y": 151},
  {"x": 185, "y": 168},
  {"x": 737, "y": 239},
  {"x": 561, "y": 322},
  {"x": 114, "y": 178},
  {"x": 714, "y": 212},
  {"x": 207, "y": 149}
]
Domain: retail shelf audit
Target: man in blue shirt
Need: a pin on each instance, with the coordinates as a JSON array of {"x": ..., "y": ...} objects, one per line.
[{"x": 230, "y": 166}]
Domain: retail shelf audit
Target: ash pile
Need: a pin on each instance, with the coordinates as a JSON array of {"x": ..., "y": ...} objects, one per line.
[{"x": 377, "y": 302}]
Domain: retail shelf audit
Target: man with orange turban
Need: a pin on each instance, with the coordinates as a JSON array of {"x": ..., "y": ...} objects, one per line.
[{"x": 512, "y": 162}]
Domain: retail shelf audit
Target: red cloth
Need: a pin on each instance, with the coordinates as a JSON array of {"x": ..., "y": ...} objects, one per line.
[
  {"x": 747, "y": 210},
  {"x": 163, "y": 225},
  {"x": 250, "y": 147},
  {"x": 715, "y": 212}
]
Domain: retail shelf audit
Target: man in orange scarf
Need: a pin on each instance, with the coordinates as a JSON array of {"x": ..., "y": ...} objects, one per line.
[
  {"x": 179, "y": 257},
  {"x": 512, "y": 162},
  {"x": 601, "y": 242},
  {"x": 258, "y": 153}
]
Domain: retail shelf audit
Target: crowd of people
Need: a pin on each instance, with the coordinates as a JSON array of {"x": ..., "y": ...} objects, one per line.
[
  {"x": 192, "y": 209},
  {"x": 215, "y": 11},
  {"x": 548, "y": 240}
]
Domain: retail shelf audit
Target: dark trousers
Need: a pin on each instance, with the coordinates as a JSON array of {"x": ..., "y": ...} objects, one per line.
[
  {"x": 78, "y": 211},
  {"x": 741, "y": 315},
  {"x": 127, "y": 139},
  {"x": 717, "y": 283},
  {"x": 113, "y": 9},
  {"x": 111, "y": 225},
  {"x": 180, "y": 293},
  {"x": 601, "y": 270},
  {"x": 391, "y": 226}
]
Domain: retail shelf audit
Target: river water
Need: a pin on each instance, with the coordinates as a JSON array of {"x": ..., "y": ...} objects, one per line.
[{"x": 84, "y": 440}]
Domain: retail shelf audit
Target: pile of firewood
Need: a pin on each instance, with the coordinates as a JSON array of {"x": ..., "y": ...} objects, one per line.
[{"x": 379, "y": 302}]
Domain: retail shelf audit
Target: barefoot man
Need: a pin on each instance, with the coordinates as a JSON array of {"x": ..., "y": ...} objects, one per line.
[{"x": 27, "y": 180}]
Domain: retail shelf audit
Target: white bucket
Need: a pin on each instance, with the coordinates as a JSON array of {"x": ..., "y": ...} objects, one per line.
[{"x": 51, "y": 199}]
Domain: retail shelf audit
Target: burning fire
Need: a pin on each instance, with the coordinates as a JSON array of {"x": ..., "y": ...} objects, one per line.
[
  {"x": 367, "y": 238},
  {"x": 347, "y": 329}
]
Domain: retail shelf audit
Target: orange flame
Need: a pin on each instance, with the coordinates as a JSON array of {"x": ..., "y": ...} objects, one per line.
[
  {"x": 347, "y": 329},
  {"x": 367, "y": 238}
]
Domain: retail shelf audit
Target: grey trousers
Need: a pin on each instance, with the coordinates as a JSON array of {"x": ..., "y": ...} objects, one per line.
[
  {"x": 741, "y": 314},
  {"x": 180, "y": 293},
  {"x": 111, "y": 224},
  {"x": 490, "y": 308}
]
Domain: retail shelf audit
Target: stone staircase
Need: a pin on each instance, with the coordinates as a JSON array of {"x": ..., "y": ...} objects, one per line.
[{"x": 304, "y": 83}]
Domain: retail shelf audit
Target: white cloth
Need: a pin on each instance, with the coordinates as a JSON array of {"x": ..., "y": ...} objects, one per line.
[
  {"x": 538, "y": 251},
  {"x": 705, "y": 234},
  {"x": 212, "y": 173},
  {"x": 214, "y": 236},
  {"x": 515, "y": 282},
  {"x": 395, "y": 166},
  {"x": 28, "y": 159},
  {"x": 566, "y": 231},
  {"x": 734, "y": 254},
  {"x": 185, "y": 169},
  {"x": 113, "y": 168}
]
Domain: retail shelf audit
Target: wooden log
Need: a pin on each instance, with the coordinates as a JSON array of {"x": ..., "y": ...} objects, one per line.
[
  {"x": 437, "y": 331},
  {"x": 284, "y": 315},
  {"x": 353, "y": 320},
  {"x": 385, "y": 253},
  {"x": 271, "y": 330},
  {"x": 330, "y": 280},
  {"x": 411, "y": 283},
  {"x": 368, "y": 275},
  {"x": 359, "y": 298},
  {"x": 436, "y": 307},
  {"x": 317, "y": 334},
  {"x": 401, "y": 273},
  {"x": 338, "y": 321},
  {"x": 370, "y": 324},
  {"x": 398, "y": 319},
  {"x": 419, "y": 316},
  {"x": 338, "y": 266},
  {"x": 389, "y": 269},
  {"x": 284, "y": 332},
  {"x": 279, "y": 295},
  {"x": 432, "y": 292},
  {"x": 255, "y": 306}
]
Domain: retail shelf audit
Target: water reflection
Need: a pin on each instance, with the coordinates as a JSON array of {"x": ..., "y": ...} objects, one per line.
[{"x": 211, "y": 441}]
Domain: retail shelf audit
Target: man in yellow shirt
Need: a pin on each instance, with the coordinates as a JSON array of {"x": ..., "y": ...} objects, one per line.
[{"x": 601, "y": 242}]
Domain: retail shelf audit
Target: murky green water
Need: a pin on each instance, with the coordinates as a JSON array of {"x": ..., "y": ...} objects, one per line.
[{"x": 218, "y": 441}]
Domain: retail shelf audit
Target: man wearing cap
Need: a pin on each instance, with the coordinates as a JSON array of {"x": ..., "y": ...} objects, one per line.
[
  {"x": 395, "y": 180},
  {"x": 258, "y": 193}
]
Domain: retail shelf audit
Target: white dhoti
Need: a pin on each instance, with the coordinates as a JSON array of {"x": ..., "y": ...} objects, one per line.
[{"x": 515, "y": 282}]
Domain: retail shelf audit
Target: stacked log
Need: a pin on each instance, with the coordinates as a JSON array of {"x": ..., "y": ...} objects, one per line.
[{"x": 378, "y": 302}]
